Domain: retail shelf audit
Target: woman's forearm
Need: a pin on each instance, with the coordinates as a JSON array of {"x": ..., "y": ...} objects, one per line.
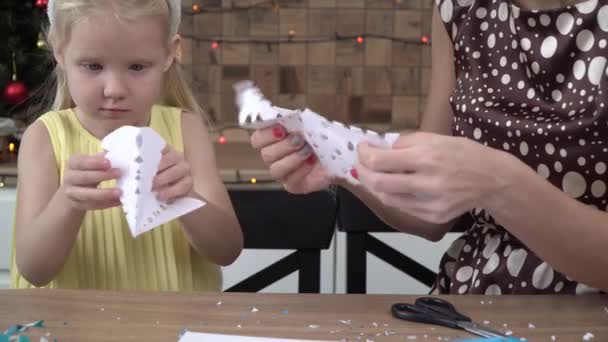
[
  {"x": 397, "y": 219},
  {"x": 566, "y": 233}
]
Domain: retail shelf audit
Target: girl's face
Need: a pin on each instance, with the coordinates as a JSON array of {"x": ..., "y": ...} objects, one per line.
[{"x": 115, "y": 68}]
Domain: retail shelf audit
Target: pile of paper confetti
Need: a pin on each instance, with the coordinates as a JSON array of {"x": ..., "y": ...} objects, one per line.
[{"x": 16, "y": 333}]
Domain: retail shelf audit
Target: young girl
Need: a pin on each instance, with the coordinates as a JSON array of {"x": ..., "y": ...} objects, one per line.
[
  {"x": 116, "y": 66},
  {"x": 521, "y": 88}
]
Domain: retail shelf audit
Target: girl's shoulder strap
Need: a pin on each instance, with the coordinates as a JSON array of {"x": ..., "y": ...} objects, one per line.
[
  {"x": 55, "y": 118},
  {"x": 167, "y": 121},
  {"x": 56, "y": 123}
]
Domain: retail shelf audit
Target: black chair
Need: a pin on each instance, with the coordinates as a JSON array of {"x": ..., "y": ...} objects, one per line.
[
  {"x": 275, "y": 219},
  {"x": 358, "y": 221}
]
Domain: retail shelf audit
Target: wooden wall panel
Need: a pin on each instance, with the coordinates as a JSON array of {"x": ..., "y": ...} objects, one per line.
[{"x": 378, "y": 83}]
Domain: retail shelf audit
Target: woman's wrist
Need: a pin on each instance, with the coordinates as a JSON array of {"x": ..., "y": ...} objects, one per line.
[{"x": 511, "y": 180}]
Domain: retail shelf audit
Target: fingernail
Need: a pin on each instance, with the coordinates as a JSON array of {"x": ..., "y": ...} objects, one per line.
[
  {"x": 278, "y": 132},
  {"x": 354, "y": 173},
  {"x": 311, "y": 160},
  {"x": 305, "y": 151},
  {"x": 295, "y": 140}
]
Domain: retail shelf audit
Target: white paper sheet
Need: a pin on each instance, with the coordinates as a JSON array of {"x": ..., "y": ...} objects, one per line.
[
  {"x": 333, "y": 143},
  {"x": 202, "y": 337},
  {"x": 136, "y": 152}
]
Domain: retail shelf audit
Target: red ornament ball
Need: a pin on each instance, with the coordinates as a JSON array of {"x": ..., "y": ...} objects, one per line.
[
  {"x": 15, "y": 92},
  {"x": 42, "y": 3}
]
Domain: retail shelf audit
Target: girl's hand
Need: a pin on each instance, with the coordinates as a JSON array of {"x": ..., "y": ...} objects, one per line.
[
  {"x": 82, "y": 177},
  {"x": 291, "y": 160},
  {"x": 435, "y": 177},
  {"x": 174, "y": 177}
]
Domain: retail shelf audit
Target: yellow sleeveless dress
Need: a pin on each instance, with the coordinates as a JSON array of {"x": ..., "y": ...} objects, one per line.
[{"x": 105, "y": 255}]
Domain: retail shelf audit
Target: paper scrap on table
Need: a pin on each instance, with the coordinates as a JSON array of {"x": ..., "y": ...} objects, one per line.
[
  {"x": 136, "y": 152},
  {"x": 334, "y": 143},
  {"x": 203, "y": 337},
  {"x": 491, "y": 339},
  {"x": 16, "y": 332}
]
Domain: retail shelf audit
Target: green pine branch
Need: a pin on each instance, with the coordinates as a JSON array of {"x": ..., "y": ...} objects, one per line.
[{"x": 20, "y": 26}]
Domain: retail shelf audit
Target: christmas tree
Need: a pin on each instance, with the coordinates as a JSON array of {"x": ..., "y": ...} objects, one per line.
[{"x": 25, "y": 62}]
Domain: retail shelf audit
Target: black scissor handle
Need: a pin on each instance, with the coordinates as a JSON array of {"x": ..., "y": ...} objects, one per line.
[
  {"x": 442, "y": 307},
  {"x": 414, "y": 313}
]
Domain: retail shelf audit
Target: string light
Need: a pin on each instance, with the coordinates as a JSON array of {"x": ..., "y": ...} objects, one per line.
[
  {"x": 270, "y": 4},
  {"x": 290, "y": 35},
  {"x": 253, "y": 180},
  {"x": 359, "y": 39},
  {"x": 274, "y": 6},
  {"x": 11, "y": 147},
  {"x": 222, "y": 139}
]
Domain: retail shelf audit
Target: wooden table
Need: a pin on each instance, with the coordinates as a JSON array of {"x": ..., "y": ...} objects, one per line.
[{"x": 111, "y": 316}]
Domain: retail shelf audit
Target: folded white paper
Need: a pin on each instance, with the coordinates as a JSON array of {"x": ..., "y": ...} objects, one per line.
[
  {"x": 136, "y": 152},
  {"x": 334, "y": 143},
  {"x": 201, "y": 337}
]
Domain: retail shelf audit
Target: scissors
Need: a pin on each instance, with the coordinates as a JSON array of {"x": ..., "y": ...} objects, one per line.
[{"x": 440, "y": 312}]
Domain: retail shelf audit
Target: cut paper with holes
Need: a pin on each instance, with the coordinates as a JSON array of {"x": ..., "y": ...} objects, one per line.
[
  {"x": 136, "y": 152},
  {"x": 334, "y": 143},
  {"x": 202, "y": 337}
]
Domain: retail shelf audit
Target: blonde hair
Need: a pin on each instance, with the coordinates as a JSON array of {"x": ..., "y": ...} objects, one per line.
[{"x": 64, "y": 13}]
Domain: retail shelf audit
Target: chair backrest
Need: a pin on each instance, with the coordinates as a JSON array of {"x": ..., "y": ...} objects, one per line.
[
  {"x": 357, "y": 221},
  {"x": 275, "y": 219},
  {"x": 354, "y": 215}
]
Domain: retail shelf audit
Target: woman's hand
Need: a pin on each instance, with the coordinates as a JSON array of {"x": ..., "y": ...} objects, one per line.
[
  {"x": 82, "y": 177},
  {"x": 174, "y": 177},
  {"x": 434, "y": 177},
  {"x": 291, "y": 160}
]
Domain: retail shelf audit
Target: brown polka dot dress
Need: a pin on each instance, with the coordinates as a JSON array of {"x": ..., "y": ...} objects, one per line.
[{"x": 533, "y": 83}]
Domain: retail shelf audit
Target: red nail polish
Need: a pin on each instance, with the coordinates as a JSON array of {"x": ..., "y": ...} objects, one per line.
[
  {"x": 311, "y": 160},
  {"x": 278, "y": 132},
  {"x": 354, "y": 173}
]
